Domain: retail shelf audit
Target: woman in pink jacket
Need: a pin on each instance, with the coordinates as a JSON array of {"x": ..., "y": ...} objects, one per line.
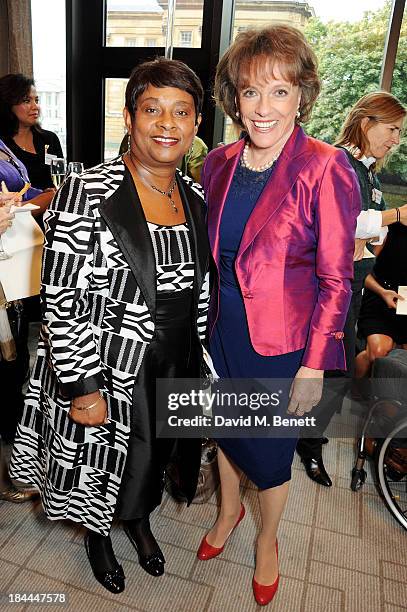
[{"x": 282, "y": 212}]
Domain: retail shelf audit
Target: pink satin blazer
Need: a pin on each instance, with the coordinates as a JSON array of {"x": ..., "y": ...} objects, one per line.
[{"x": 295, "y": 261}]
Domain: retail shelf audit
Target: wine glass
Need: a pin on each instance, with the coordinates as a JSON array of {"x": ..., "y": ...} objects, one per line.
[
  {"x": 58, "y": 170},
  {"x": 76, "y": 167}
]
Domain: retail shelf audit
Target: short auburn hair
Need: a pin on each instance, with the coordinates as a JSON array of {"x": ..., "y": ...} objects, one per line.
[
  {"x": 261, "y": 49},
  {"x": 377, "y": 107}
]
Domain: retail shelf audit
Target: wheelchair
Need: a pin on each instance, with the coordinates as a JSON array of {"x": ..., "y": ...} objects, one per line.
[{"x": 384, "y": 434}]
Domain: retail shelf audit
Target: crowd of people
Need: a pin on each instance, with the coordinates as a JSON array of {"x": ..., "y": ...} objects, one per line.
[{"x": 270, "y": 266}]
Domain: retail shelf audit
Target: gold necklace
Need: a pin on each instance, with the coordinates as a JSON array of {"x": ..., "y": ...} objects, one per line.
[
  {"x": 24, "y": 146},
  {"x": 167, "y": 193}
]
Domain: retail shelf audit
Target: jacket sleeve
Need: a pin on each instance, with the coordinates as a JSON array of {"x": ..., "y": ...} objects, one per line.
[
  {"x": 31, "y": 193},
  {"x": 66, "y": 271},
  {"x": 337, "y": 207}
]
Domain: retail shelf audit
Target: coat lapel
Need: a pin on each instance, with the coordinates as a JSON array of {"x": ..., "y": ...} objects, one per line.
[
  {"x": 290, "y": 163},
  {"x": 195, "y": 216},
  {"x": 221, "y": 176},
  {"x": 124, "y": 216}
]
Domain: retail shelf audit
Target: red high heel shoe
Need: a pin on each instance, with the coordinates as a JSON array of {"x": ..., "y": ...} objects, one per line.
[
  {"x": 264, "y": 593},
  {"x": 207, "y": 551}
]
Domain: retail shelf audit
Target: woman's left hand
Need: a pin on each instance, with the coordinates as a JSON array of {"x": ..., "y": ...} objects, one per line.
[
  {"x": 95, "y": 415},
  {"x": 391, "y": 297},
  {"x": 6, "y": 218},
  {"x": 306, "y": 390},
  {"x": 9, "y": 197}
]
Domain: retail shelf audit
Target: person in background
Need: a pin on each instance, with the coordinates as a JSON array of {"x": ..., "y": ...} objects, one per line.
[
  {"x": 31, "y": 144},
  {"x": 11, "y": 390},
  {"x": 193, "y": 160},
  {"x": 21, "y": 131},
  {"x": 125, "y": 298},
  {"x": 370, "y": 132},
  {"x": 14, "y": 178},
  {"x": 14, "y": 175},
  {"x": 378, "y": 322},
  {"x": 282, "y": 211}
]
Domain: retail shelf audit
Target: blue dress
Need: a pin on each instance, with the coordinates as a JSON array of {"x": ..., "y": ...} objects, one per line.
[{"x": 266, "y": 461}]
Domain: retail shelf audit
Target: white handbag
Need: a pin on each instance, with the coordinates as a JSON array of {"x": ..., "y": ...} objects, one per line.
[{"x": 22, "y": 244}]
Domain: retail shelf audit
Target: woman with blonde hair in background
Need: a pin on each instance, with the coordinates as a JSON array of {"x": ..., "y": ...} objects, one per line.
[{"x": 371, "y": 131}]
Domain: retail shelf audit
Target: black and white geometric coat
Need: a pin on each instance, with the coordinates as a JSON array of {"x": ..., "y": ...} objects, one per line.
[{"x": 98, "y": 300}]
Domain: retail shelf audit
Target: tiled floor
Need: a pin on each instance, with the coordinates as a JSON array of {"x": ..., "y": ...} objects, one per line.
[{"x": 339, "y": 551}]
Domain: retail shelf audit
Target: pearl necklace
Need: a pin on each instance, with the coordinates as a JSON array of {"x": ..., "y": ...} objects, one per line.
[{"x": 265, "y": 166}]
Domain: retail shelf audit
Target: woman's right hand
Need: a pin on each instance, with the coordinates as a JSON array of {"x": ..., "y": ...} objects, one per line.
[
  {"x": 391, "y": 297},
  {"x": 94, "y": 416},
  {"x": 6, "y": 218},
  {"x": 403, "y": 214}
]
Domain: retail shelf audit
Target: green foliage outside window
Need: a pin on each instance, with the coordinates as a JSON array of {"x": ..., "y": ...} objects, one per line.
[{"x": 350, "y": 58}]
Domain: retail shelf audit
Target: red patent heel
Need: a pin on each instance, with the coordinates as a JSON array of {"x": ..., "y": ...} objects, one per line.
[
  {"x": 264, "y": 593},
  {"x": 207, "y": 551}
]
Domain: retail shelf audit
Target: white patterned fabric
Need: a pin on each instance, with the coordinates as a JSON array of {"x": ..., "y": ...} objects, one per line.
[
  {"x": 96, "y": 329},
  {"x": 173, "y": 257}
]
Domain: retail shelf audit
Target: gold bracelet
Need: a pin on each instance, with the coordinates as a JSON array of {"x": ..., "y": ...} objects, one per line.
[{"x": 90, "y": 405}]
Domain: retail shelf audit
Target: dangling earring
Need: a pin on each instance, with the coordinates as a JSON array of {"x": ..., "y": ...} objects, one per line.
[
  {"x": 128, "y": 142},
  {"x": 298, "y": 114},
  {"x": 237, "y": 110}
]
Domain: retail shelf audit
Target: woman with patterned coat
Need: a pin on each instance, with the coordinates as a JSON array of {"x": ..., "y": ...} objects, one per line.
[{"x": 124, "y": 300}]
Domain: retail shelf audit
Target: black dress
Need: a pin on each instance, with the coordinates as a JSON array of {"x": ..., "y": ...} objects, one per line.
[
  {"x": 390, "y": 271},
  {"x": 173, "y": 353}
]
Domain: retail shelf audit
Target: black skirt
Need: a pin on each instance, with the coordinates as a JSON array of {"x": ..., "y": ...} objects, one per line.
[
  {"x": 377, "y": 318},
  {"x": 174, "y": 352}
]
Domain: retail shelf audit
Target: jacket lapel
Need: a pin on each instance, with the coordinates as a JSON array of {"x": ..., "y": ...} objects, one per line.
[
  {"x": 124, "y": 216},
  {"x": 195, "y": 216},
  {"x": 221, "y": 176},
  {"x": 289, "y": 165}
]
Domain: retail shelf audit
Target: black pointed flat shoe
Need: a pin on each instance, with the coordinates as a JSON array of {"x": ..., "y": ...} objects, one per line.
[
  {"x": 112, "y": 580},
  {"x": 152, "y": 564},
  {"x": 316, "y": 471}
]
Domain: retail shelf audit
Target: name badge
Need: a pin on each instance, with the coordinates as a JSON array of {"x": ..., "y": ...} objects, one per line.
[
  {"x": 376, "y": 195},
  {"x": 49, "y": 158}
]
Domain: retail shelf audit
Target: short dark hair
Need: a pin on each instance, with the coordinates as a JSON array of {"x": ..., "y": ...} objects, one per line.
[
  {"x": 262, "y": 48},
  {"x": 162, "y": 72},
  {"x": 13, "y": 89}
]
